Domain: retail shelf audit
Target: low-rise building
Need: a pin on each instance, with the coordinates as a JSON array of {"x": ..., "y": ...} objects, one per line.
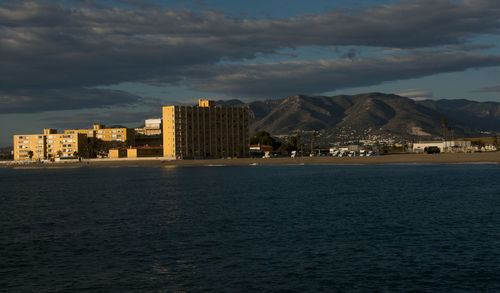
[
  {"x": 420, "y": 147},
  {"x": 136, "y": 152},
  {"x": 144, "y": 152}
]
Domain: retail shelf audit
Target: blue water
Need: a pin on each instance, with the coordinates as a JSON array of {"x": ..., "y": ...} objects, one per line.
[{"x": 430, "y": 228}]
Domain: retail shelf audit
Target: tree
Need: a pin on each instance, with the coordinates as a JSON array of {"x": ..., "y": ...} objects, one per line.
[
  {"x": 76, "y": 154},
  {"x": 294, "y": 141},
  {"x": 264, "y": 138},
  {"x": 291, "y": 145},
  {"x": 59, "y": 153},
  {"x": 30, "y": 154},
  {"x": 313, "y": 141}
]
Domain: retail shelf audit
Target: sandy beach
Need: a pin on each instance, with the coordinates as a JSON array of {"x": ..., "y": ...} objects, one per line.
[{"x": 445, "y": 158}]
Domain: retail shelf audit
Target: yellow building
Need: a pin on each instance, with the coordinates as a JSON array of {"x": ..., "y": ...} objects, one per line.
[
  {"x": 100, "y": 131},
  {"x": 48, "y": 145},
  {"x": 118, "y": 153},
  {"x": 205, "y": 131}
]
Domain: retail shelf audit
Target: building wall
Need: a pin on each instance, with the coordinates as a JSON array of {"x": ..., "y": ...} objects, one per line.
[
  {"x": 168, "y": 131},
  {"x": 420, "y": 147},
  {"x": 65, "y": 143},
  {"x": 48, "y": 145},
  {"x": 118, "y": 153},
  {"x": 143, "y": 152},
  {"x": 31, "y": 142},
  {"x": 107, "y": 134},
  {"x": 205, "y": 131}
]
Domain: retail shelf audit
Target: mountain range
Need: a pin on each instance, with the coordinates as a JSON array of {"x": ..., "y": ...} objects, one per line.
[{"x": 373, "y": 113}]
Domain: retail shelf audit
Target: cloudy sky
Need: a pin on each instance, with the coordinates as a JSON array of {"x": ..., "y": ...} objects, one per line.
[{"x": 67, "y": 64}]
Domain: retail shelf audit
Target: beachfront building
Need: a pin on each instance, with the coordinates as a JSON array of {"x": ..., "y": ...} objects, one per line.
[
  {"x": 49, "y": 145},
  {"x": 117, "y": 135},
  {"x": 205, "y": 131}
]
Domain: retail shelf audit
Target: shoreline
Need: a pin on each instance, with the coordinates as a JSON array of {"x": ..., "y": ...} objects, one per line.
[{"x": 444, "y": 158}]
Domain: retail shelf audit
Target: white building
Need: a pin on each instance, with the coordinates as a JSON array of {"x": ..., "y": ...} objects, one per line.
[{"x": 444, "y": 146}]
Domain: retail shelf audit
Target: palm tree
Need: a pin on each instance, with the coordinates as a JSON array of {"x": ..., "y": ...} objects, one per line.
[
  {"x": 30, "y": 154},
  {"x": 444, "y": 123}
]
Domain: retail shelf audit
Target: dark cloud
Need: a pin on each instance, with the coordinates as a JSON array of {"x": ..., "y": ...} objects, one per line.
[
  {"x": 33, "y": 101},
  {"x": 471, "y": 47},
  {"x": 491, "y": 89},
  {"x": 350, "y": 54},
  {"x": 60, "y": 45},
  {"x": 47, "y": 46},
  {"x": 286, "y": 78}
]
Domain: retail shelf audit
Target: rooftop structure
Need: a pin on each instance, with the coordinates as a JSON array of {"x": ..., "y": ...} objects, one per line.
[{"x": 151, "y": 127}]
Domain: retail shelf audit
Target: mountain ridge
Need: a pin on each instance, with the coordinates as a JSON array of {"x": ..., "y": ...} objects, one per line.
[{"x": 373, "y": 113}]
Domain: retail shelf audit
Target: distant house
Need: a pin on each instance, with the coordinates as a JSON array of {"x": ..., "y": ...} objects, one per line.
[{"x": 420, "y": 147}]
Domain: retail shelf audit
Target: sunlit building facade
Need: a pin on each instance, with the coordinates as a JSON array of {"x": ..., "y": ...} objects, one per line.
[
  {"x": 205, "y": 131},
  {"x": 112, "y": 134},
  {"x": 49, "y": 145}
]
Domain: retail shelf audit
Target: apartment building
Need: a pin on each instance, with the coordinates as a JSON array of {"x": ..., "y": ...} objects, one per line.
[
  {"x": 112, "y": 134},
  {"x": 205, "y": 131},
  {"x": 48, "y": 145}
]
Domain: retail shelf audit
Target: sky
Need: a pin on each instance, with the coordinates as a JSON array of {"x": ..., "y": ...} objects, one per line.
[{"x": 68, "y": 64}]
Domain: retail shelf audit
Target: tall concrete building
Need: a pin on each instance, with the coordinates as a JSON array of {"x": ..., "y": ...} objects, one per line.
[{"x": 205, "y": 131}]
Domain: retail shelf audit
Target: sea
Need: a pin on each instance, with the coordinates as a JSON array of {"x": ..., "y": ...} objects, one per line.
[{"x": 283, "y": 228}]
